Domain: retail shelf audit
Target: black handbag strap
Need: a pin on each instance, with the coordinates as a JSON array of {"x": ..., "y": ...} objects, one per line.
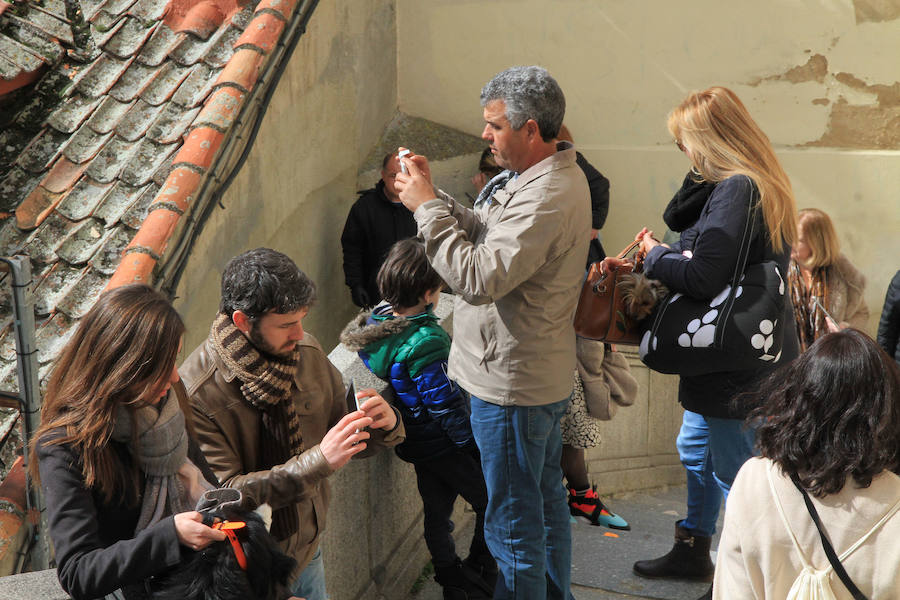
[{"x": 829, "y": 550}]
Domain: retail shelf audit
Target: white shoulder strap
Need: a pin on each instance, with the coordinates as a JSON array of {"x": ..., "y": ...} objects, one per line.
[
  {"x": 770, "y": 468},
  {"x": 890, "y": 513}
]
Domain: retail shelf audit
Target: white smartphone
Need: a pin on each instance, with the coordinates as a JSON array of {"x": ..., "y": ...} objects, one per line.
[
  {"x": 352, "y": 402},
  {"x": 400, "y": 156}
]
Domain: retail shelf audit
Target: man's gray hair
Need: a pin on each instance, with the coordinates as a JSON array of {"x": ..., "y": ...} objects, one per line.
[{"x": 529, "y": 93}]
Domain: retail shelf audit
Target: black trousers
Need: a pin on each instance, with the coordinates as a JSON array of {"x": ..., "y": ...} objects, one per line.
[{"x": 440, "y": 481}]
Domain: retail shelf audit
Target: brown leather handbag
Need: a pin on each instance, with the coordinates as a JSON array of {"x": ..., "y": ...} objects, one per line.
[{"x": 600, "y": 314}]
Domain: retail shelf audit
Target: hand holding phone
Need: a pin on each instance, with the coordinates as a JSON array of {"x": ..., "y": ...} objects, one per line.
[{"x": 404, "y": 152}]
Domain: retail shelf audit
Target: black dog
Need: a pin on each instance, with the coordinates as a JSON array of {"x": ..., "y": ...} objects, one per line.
[{"x": 216, "y": 573}]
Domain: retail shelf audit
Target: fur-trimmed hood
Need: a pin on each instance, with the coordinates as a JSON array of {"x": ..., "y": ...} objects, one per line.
[{"x": 364, "y": 330}]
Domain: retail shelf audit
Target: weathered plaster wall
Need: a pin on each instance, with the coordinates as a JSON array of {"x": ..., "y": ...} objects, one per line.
[
  {"x": 293, "y": 193},
  {"x": 819, "y": 76}
]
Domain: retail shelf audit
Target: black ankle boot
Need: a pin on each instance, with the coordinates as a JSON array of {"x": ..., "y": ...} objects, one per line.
[
  {"x": 688, "y": 559},
  {"x": 460, "y": 583}
]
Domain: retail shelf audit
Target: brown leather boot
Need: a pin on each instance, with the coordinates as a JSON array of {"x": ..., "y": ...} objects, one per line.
[{"x": 688, "y": 559}]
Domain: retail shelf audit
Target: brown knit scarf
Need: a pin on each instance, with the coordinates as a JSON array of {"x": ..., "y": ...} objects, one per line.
[
  {"x": 809, "y": 318},
  {"x": 266, "y": 384}
]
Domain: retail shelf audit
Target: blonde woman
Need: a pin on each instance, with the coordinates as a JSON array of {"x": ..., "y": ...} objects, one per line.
[
  {"x": 822, "y": 279},
  {"x": 725, "y": 146}
]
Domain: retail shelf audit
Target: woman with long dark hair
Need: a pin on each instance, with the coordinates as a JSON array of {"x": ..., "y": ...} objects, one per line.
[
  {"x": 119, "y": 471},
  {"x": 831, "y": 422}
]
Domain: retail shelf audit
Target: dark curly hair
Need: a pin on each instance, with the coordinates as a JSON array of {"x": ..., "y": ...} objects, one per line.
[
  {"x": 832, "y": 413},
  {"x": 264, "y": 280}
]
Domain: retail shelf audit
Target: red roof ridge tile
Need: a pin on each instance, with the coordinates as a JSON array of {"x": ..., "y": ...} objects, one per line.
[{"x": 196, "y": 156}]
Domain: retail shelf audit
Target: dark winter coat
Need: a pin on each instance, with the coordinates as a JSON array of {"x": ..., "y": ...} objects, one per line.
[
  {"x": 714, "y": 241},
  {"x": 373, "y": 225},
  {"x": 411, "y": 353},
  {"x": 97, "y": 551},
  {"x": 599, "y": 187},
  {"x": 889, "y": 326}
]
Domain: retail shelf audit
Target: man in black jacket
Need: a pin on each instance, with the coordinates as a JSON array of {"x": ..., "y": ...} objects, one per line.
[{"x": 376, "y": 220}]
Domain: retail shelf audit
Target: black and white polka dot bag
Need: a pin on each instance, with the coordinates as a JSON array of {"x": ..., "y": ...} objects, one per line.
[{"x": 741, "y": 328}]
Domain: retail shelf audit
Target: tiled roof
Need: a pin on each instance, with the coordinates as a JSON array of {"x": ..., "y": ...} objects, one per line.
[{"x": 106, "y": 151}]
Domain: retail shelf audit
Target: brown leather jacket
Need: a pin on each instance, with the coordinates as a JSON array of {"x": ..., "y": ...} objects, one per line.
[{"x": 228, "y": 430}]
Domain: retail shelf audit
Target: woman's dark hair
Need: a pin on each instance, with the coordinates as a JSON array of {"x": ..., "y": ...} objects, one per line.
[
  {"x": 263, "y": 280},
  {"x": 833, "y": 413},
  {"x": 406, "y": 275},
  {"x": 122, "y": 352}
]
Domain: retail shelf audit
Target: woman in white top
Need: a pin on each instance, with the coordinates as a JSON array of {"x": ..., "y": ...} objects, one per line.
[{"x": 831, "y": 419}]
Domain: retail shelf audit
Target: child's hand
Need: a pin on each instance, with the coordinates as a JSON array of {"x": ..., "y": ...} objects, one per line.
[{"x": 376, "y": 407}]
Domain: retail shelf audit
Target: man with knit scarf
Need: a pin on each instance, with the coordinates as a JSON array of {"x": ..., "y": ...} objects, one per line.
[{"x": 269, "y": 408}]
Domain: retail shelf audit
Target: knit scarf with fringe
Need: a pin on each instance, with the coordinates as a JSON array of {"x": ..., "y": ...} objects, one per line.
[{"x": 266, "y": 384}]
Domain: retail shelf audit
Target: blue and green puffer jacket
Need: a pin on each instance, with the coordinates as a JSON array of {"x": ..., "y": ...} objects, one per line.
[{"x": 411, "y": 353}]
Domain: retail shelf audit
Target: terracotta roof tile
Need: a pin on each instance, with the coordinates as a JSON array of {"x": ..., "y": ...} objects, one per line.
[
  {"x": 102, "y": 75},
  {"x": 282, "y": 7},
  {"x": 137, "y": 120},
  {"x": 83, "y": 199},
  {"x": 107, "y": 165},
  {"x": 135, "y": 267},
  {"x": 117, "y": 7},
  {"x": 130, "y": 38},
  {"x": 242, "y": 70},
  {"x": 222, "y": 51},
  {"x": 90, "y": 8},
  {"x": 200, "y": 147},
  {"x": 70, "y": 115},
  {"x": 105, "y": 27},
  {"x": 177, "y": 190},
  {"x": 42, "y": 151},
  {"x": 192, "y": 50},
  {"x": 137, "y": 212},
  {"x": 195, "y": 87},
  {"x": 12, "y": 239},
  {"x": 158, "y": 47},
  {"x": 44, "y": 240},
  {"x": 149, "y": 157},
  {"x": 63, "y": 175},
  {"x": 262, "y": 32},
  {"x": 203, "y": 19},
  {"x": 134, "y": 81},
  {"x": 36, "y": 207},
  {"x": 87, "y": 237},
  {"x": 52, "y": 337},
  {"x": 79, "y": 298},
  {"x": 172, "y": 123},
  {"x": 15, "y": 186},
  {"x": 165, "y": 83},
  {"x": 220, "y": 109},
  {"x": 107, "y": 116},
  {"x": 55, "y": 286},
  {"x": 54, "y": 26},
  {"x": 19, "y": 56},
  {"x": 50, "y": 51},
  {"x": 85, "y": 144},
  {"x": 109, "y": 255},
  {"x": 149, "y": 10},
  {"x": 116, "y": 202}
]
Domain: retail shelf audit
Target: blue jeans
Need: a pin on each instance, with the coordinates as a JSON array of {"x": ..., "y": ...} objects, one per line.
[
  {"x": 520, "y": 456},
  {"x": 311, "y": 582},
  {"x": 712, "y": 451}
]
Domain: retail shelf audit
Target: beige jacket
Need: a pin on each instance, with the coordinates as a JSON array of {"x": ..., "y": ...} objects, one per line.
[
  {"x": 757, "y": 560},
  {"x": 228, "y": 430},
  {"x": 846, "y": 302},
  {"x": 516, "y": 264}
]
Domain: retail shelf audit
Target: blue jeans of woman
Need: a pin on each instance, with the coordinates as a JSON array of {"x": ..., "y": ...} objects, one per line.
[
  {"x": 712, "y": 451},
  {"x": 520, "y": 456}
]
